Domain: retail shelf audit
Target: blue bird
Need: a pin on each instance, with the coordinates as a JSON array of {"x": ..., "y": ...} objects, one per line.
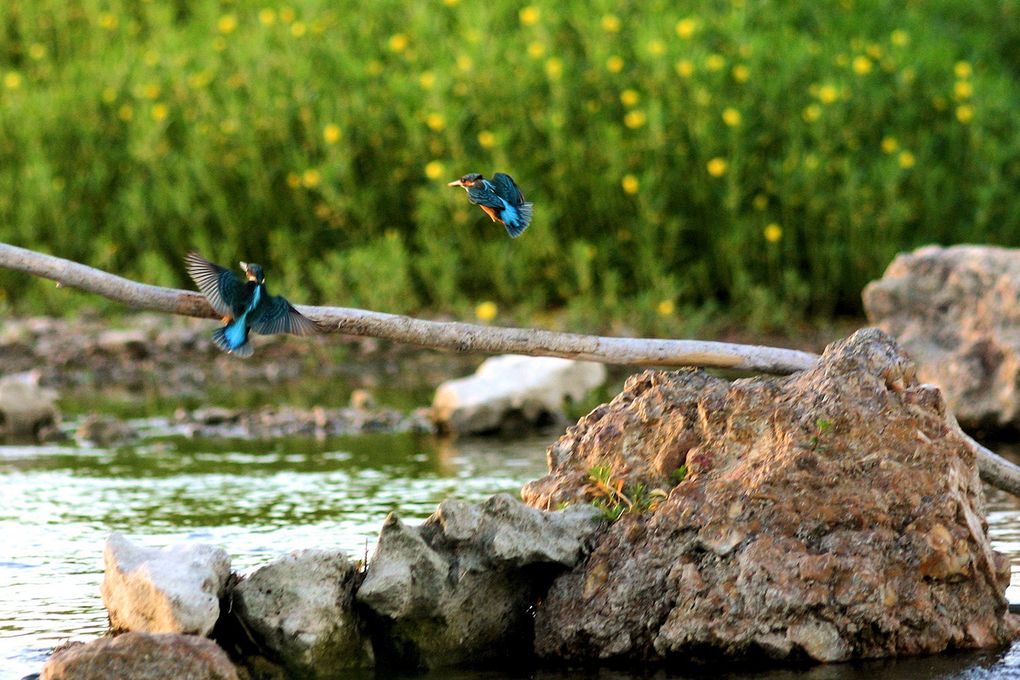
[
  {"x": 245, "y": 305},
  {"x": 500, "y": 198}
]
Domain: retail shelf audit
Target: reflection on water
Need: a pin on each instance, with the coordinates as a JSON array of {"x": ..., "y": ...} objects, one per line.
[{"x": 262, "y": 499}]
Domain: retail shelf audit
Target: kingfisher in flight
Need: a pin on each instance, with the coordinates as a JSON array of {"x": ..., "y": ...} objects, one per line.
[
  {"x": 500, "y": 198},
  {"x": 245, "y": 305}
]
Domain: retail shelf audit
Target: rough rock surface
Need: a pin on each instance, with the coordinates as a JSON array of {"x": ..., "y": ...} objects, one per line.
[
  {"x": 300, "y": 611},
  {"x": 457, "y": 590},
  {"x": 957, "y": 312},
  {"x": 26, "y": 409},
  {"x": 515, "y": 388},
  {"x": 832, "y": 514},
  {"x": 176, "y": 589},
  {"x": 141, "y": 656}
]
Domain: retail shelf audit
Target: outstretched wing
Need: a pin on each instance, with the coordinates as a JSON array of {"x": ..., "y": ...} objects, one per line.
[
  {"x": 507, "y": 188},
  {"x": 483, "y": 193},
  {"x": 217, "y": 283},
  {"x": 277, "y": 315}
]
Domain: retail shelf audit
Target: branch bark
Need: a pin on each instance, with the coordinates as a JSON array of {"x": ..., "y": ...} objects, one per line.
[{"x": 463, "y": 337}]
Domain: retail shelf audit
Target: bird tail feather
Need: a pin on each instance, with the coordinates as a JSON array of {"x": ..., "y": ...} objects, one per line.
[
  {"x": 516, "y": 227},
  {"x": 223, "y": 341}
]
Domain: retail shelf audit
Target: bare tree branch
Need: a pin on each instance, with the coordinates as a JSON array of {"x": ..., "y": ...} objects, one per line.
[{"x": 463, "y": 337}]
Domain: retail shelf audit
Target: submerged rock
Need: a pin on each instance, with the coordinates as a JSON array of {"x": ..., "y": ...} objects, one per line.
[
  {"x": 176, "y": 589},
  {"x": 26, "y": 408},
  {"x": 457, "y": 590},
  {"x": 833, "y": 514},
  {"x": 956, "y": 311},
  {"x": 300, "y": 610},
  {"x": 141, "y": 656},
  {"x": 104, "y": 431},
  {"x": 513, "y": 388}
]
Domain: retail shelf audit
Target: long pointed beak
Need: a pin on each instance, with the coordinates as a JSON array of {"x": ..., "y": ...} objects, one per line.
[
  {"x": 244, "y": 266},
  {"x": 455, "y": 183}
]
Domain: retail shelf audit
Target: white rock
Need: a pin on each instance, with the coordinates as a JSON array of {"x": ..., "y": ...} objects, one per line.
[
  {"x": 512, "y": 384},
  {"x": 176, "y": 589},
  {"x": 25, "y": 407}
]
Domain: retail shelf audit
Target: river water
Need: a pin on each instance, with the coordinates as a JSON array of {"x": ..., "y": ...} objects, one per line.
[{"x": 262, "y": 499}]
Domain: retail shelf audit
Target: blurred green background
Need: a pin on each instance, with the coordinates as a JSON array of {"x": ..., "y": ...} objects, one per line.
[{"x": 754, "y": 161}]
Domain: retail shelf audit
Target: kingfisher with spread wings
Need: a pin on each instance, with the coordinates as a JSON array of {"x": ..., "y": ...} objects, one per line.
[
  {"x": 245, "y": 305},
  {"x": 500, "y": 198}
]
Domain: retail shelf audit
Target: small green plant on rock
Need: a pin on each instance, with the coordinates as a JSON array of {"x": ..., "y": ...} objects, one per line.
[{"x": 613, "y": 501}]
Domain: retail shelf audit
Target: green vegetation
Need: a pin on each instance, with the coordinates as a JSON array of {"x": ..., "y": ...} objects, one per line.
[
  {"x": 613, "y": 500},
  {"x": 763, "y": 158}
]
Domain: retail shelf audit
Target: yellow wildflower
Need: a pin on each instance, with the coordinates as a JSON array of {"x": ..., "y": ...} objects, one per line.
[
  {"x": 715, "y": 62},
  {"x": 899, "y": 37},
  {"x": 906, "y": 159},
  {"x": 435, "y": 121},
  {"x": 717, "y": 167},
  {"x": 293, "y": 180},
  {"x": 311, "y": 178},
  {"x": 741, "y": 73},
  {"x": 964, "y": 113},
  {"x": 109, "y": 94},
  {"x": 108, "y": 21},
  {"x": 435, "y": 169},
  {"x": 760, "y": 202},
  {"x": 610, "y": 23},
  {"x": 656, "y": 48},
  {"x": 811, "y": 113},
  {"x": 529, "y": 15},
  {"x": 398, "y": 42},
  {"x": 963, "y": 69},
  {"x": 828, "y": 93},
  {"x": 298, "y": 29},
  {"x": 160, "y": 112},
  {"x": 614, "y": 64},
  {"x": 37, "y": 51},
  {"x": 554, "y": 68},
  {"x": 451, "y": 3},
  {"x": 286, "y": 15},
  {"x": 486, "y": 139},
  {"x": 536, "y": 50},
  {"x": 630, "y": 184},
  {"x": 227, "y": 24},
  {"x": 427, "y": 80},
  {"x": 126, "y": 112},
  {"x": 773, "y": 232},
  {"x": 889, "y": 144},
  {"x": 665, "y": 308},
  {"x": 229, "y": 126},
  {"x": 685, "y": 27},
  {"x": 635, "y": 119},
  {"x": 486, "y": 311},
  {"x": 331, "y": 133},
  {"x": 685, "y": 68},
  {"x": 12, "y": 80},
  {"x": 731, "y": 116},
  {"x": 629, "y": 97},
  {"x": 963, "y": 89},
  {"x": 151, "y": 90},
  {"x": 861, "y": 65},
  {"x": 464, "y": 63},
  {"x": 267, "y": 16}
]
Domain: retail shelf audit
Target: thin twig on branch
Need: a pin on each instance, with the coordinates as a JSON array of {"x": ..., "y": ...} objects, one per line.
[{"x": 463, "y": 337}]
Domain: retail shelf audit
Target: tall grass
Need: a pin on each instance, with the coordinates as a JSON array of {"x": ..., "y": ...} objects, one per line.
[{"x": 762, "y": 158}]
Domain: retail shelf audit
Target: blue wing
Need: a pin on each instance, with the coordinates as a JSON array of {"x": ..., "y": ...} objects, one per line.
[
  {"x": 219, "y": 285},
  {"x": 276, "y": 315},
  {"x": 484, "y": 193},
  {"x": 505, "y": 186}
]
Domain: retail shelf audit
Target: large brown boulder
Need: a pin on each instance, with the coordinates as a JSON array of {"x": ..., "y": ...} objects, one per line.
[
  {"x": 833, "y": 514},
  {"x": 956, "y": 311}
]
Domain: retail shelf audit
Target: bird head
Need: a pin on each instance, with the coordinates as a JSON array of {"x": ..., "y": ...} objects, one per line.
[
  {"x": 253, "y": 272},
  {"x": 468, "y": 180}
]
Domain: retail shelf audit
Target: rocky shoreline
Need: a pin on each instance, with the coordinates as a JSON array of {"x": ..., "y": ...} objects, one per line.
[{"x": 827, "y": 516}]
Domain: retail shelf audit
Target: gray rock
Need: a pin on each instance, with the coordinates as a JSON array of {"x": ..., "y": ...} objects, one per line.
[
  {"x": 457, "y": 590},
  {"x": 26, "y": 409},
  {"x": 176, "y": 589},
  {"x": 513, "y": 387},
  {"x": 300, "y": 609},
  {"x": 956, "y": 311},
  {"x": 141, "y": 656}
]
